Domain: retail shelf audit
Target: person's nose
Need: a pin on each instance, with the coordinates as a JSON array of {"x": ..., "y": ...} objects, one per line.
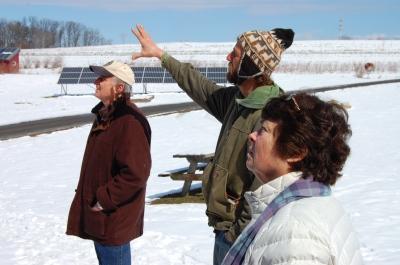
[
  {"x": 250, "y": 141},
  {"x": 229, "y": 57},
  {"x": 252, "y": 136},
  {"x": 97, "y": 81}
]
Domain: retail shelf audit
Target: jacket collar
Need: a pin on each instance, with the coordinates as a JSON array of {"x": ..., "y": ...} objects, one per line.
[
  {"x": 259, "y": 96},
  {"x": 104, "y": 115},
  {"x": 261, "y": 197}
]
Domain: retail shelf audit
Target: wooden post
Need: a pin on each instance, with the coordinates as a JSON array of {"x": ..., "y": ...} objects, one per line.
[{"x": 191, "y": 170}]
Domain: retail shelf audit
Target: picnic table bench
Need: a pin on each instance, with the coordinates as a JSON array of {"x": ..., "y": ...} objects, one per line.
[{"x": 197, "y": 162}]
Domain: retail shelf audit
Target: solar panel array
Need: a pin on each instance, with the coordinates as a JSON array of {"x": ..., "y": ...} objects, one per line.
[
  {"x": 146, "y": 75},
  {"x": 7, "y": 53},
  {"x": 76, "y": 75}
]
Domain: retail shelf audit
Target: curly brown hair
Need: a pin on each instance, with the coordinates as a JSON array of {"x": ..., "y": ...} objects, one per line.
[{"x": 313, "y": 129}]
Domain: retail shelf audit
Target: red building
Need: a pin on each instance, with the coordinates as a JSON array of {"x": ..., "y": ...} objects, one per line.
[{"x": 9, "y": 60}]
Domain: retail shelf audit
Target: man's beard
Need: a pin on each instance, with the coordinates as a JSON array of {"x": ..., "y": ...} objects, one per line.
[
  {"x": 232, "y": 75},
  {"x": 233, "y": 78}
]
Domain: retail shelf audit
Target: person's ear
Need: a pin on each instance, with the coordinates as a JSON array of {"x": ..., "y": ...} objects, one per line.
[
  {"x": 294, "y": 159},
  {"x": 297, "y": 158},
  {"x": 120, "y": 88}
]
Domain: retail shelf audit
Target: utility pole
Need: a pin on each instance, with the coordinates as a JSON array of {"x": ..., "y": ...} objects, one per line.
[{"x": 340, "y": 29}]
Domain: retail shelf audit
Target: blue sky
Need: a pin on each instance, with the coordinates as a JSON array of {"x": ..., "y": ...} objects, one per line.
[{"x": 217, "y": 20}]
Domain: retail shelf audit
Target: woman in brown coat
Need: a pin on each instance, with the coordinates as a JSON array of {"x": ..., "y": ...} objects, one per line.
[{"x": 108, "y": 206}]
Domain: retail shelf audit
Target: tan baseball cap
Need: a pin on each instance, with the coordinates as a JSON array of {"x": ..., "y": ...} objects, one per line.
[{"x": 117, "y": 69}]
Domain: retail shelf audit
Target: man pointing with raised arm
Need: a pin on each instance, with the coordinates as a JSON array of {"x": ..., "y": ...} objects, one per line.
[{"x": 250, "y": 64}]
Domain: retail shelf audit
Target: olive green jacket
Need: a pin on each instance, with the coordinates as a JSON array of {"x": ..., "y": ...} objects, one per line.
[{"x": 226, "y": 178}]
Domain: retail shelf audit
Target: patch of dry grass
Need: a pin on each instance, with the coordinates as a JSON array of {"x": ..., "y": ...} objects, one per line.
[{"x": 194, "y": 196}]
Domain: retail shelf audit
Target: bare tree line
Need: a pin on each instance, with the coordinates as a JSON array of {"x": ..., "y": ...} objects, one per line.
[{"x": 32, "y": 32}]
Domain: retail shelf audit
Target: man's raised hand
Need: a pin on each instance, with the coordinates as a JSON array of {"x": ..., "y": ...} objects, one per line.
[{"x": 149, "y": 48}]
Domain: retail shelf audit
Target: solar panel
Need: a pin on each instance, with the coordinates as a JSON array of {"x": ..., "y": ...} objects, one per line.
[
  {"x": 202, "y": 70},
  {"x": 152, "y": 80},
  {"x": 212, "y": 69},
  {"x": 139, "y": 73},
  {"x": 68, "y": 82},
  {"x": 154, "y": 74},
  {"x": 215, "y": 75},
  {"x": 72, "y": 69},
  {"x": 167, "y": 74},
  {"x": 169, "y": 80},
  {"x": 83, "y": 75},
  {"x": 138, "y": 69},
  {"x": 88, "y": 75},
  {"x": 154, "y": 70},
  {"x": 69, "y": 75},
  {"x": 86, "y": 80}
]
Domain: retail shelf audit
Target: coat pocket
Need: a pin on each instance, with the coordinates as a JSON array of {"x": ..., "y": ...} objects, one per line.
[
  {"x": 221, "y": 202},
  {"x": 95, "y": 223}
]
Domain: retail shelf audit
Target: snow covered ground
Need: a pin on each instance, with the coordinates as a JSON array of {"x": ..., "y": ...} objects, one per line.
[
  {"x": 36, "y": 95},
  {"x": 38, "y": 175}
]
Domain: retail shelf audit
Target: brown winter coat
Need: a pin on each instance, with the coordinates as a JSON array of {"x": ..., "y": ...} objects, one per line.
[{"x": 115, "y": 169}]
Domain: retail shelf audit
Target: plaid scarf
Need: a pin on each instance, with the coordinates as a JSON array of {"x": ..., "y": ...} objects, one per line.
[{"x": 302, "y": 188}]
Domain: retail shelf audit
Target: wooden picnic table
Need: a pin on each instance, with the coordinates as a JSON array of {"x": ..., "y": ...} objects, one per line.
[{"x": 197, "y": 162}]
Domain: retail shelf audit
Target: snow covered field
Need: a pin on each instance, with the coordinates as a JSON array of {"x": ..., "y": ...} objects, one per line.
[
  {"x": 38, "y": 175},
  {"x": 215, "y": 53}
]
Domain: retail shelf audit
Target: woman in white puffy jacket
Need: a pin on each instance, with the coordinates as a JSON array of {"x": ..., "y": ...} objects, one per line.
[{"x": 298, "y": 153}]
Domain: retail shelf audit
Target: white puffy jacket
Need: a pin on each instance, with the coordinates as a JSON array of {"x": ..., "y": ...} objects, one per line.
[{"x": 313, "y": 230}]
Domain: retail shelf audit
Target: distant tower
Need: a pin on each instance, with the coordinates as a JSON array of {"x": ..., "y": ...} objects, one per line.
[
  {"x": 340, "y": 29},
  {"x": 123, "y": 38}
]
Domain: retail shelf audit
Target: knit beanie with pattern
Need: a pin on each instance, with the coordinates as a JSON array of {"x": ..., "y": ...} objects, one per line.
[{"x": 262, "y": 51}]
